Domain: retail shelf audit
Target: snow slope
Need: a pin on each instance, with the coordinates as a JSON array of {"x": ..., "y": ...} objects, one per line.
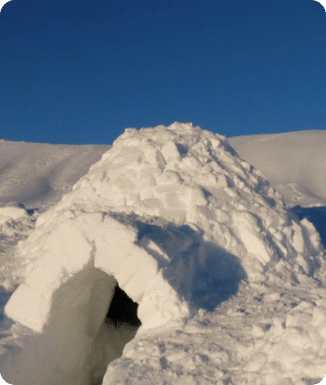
[
  {"x": 230, "y": 284},
  {"x": 293, "y": 162},
  {"x": 37, "y": 175}
]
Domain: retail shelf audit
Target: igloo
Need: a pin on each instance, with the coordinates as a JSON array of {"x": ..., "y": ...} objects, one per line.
[{"x": 170, "y": 220}]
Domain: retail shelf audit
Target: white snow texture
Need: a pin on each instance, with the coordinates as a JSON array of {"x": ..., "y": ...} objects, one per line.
[{"x": 176, "y": 219}]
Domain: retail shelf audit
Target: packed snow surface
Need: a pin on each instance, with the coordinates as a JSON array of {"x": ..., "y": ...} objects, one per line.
[{"x": 219, "y": 282}]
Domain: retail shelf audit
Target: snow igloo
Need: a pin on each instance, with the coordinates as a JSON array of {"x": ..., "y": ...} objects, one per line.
[{"x": 170, "y": 220}]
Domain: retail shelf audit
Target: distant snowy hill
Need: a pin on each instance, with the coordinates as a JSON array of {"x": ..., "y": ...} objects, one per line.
[
  {"x": 218, "y": 281},
  {"x": 293, "y": 162},
  {"x": 37, "y": 175}
]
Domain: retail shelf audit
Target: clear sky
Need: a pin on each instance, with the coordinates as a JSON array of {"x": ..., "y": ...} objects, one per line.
[{"x": 81, "y": 71}]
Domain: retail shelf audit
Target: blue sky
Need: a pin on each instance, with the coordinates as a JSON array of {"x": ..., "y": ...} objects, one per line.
[{"x": 80, "y": 72}]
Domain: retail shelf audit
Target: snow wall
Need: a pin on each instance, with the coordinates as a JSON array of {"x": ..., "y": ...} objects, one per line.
[{"x": 176, "y": 219}]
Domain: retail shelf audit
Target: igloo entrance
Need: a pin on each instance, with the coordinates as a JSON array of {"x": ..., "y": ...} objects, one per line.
[
  {"x": 119, "y": 326},
  {"x": 64, "y": 301},
  {"x": 122, "y": 310},
  {"x": 98, "y": 318},
  {"x": 91, "y": 320}
]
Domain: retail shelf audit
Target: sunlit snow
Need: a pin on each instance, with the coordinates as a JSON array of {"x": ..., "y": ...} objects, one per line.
[{"x": 172, "y": 261}]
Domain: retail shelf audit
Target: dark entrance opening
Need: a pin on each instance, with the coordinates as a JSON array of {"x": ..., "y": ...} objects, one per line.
[{"x": 122, "y": 310}]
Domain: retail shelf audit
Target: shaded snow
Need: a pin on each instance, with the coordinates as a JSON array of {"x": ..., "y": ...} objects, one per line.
[{"x": 230, "y": 285}]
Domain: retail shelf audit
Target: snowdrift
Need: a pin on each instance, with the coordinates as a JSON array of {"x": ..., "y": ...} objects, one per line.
[{"x": 173, "y": 220}]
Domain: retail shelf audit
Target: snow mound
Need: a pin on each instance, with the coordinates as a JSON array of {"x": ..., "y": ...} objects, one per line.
[{"x": 171, "y": 216}]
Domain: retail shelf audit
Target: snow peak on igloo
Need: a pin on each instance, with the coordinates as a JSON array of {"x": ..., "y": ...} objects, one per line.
[{"x": 170, "y": 220}]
